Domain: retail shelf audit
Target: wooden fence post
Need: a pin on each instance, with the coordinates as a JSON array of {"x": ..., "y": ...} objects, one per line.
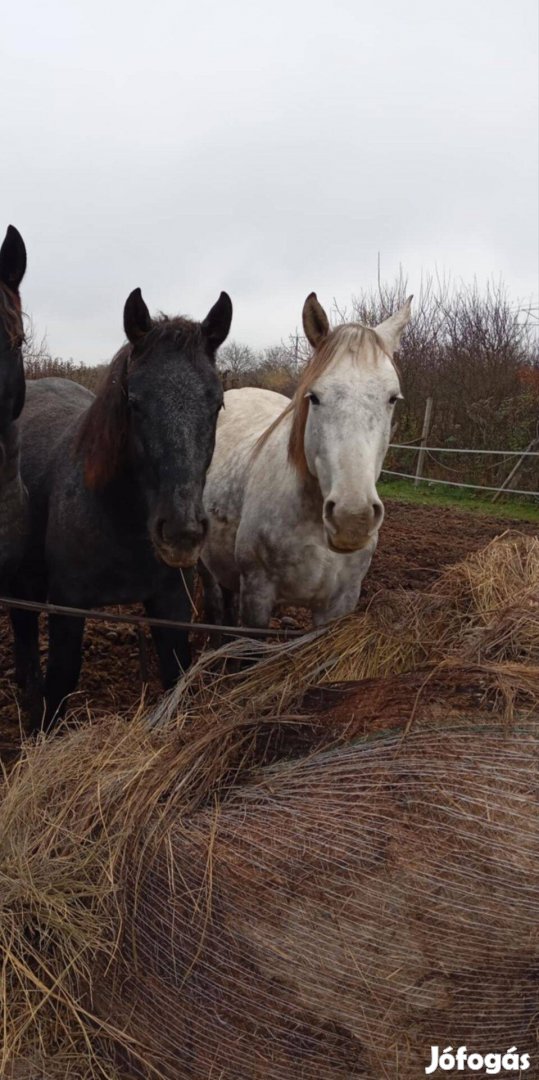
[{"x": 423, "y": 443}]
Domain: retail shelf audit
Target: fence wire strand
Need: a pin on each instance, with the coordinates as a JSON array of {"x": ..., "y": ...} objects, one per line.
[
  {"x": 143, "y": 620},
  {"x": 455, "y": 483},
  {"x": 464, "y": 450}
]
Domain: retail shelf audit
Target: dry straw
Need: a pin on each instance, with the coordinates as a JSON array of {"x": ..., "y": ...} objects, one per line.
[
  {"x": 234, "y": 890},
  {"x": 485, "y": 608}
]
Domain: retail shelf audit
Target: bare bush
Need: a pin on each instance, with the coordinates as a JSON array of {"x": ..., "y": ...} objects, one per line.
[
  {"x": 40, "y": 364},
  {"x": 474, "y": 351}
]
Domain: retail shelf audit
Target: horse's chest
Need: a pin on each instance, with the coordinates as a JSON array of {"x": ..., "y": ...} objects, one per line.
[
  {"x": 125, "y": 575},
  {"x": 100, "y": 562},
  {"x": 305, "y": 575}
]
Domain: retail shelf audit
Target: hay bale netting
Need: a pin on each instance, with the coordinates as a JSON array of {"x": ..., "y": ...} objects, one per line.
[
  {"x": 176, "y": 910},
  {"x": 220, "y": 891}
]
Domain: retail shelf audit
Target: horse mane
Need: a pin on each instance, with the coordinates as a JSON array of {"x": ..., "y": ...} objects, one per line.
[
  {"x": 11, "y": 314},
  {"x": 104, "y": 436},
  {"x": 348, "y": 339}
]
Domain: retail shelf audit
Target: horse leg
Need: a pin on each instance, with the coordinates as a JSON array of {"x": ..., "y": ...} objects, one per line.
[
  {"x": 25, "y": 626},
  {"x": 214, "y": 603},
  {"x": 257, "y": 599},
  {"x": 345, "y": 597},
  {"x": 220, "y": 605},
  {"x": 172, "y": 646},
  {"x": 63, "y": 668},
  {"x": 229, "y": 616},
  {"x": 230, "y": 607},
  {"x": 28, "y": 676},
  {"x": 213, "y": 595},
  {"x": 337, "y": 607}
]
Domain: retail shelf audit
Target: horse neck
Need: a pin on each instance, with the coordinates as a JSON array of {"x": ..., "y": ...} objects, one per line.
[
  {"x": 10, "y": 455},
  {"x": 306, "y": 489}
]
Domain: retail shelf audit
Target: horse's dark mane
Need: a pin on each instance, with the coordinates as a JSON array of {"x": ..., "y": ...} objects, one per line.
[
  {"x": 103, "y": 438},
  {"x": 11, "y": 314},
  {"x": 178, "y": 331}
]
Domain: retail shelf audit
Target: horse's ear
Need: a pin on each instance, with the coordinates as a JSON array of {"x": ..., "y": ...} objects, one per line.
[
  {"x": 137, "y": 318},
  {"x": 390, "y": 330},
  {"x": 315, "y": 321},
  {"x": 217, "y": 322},
  {"x": 12, "y": 259}
]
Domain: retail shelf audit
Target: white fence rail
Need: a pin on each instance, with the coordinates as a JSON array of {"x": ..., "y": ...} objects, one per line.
[
  {"x": 458, "y": 450},
  {"x": 418, "y": 447}
]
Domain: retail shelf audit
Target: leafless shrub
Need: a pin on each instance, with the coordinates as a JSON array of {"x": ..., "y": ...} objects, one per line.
[
  {"x": 40, "y": 364},
  {"x": 473, "y": 350}
]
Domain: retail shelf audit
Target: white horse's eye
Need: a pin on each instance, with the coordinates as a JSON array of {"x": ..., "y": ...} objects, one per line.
[
  {"x": 394, "y": 398},
  {"x": 313, "y": 398}
]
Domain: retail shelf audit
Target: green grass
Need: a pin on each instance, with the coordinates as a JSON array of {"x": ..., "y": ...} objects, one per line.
[{"x": 428, "y": 493}]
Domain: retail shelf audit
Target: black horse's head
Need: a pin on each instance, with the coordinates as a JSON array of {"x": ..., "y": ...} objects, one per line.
[
  {"x": 155, "y": 418},
  {"x": 12, "y": 268}
]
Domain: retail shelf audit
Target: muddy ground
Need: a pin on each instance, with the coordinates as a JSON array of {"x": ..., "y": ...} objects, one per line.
[{"x": 415, "y": 544}]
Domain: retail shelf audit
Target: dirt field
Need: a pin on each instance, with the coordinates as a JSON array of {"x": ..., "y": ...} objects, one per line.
[{"x": 416, "y": 542}]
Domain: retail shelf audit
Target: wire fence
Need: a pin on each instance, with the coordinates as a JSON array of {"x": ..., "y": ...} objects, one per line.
[
  {"x": 459, "y": 484},
  {"x": 418, "y": 447},
  {"x": 8, "y": 602},
  {"x": 459, "y": 450}
]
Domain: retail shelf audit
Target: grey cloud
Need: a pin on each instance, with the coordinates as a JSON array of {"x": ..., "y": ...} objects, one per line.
[{"x": 265, "y": 150}]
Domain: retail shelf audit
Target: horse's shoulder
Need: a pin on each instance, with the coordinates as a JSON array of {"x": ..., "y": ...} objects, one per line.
[
  {"x": 53, "y": 401},
  {"x": 49, "y": 425},
  {"x": 246, "y": 395},
  {"x": 249, "y": 412}
]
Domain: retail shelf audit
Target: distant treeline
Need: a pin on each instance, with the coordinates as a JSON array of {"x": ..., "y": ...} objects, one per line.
[
  {"x": 43, "y": 366},
  {"x": 473, "y": 351}
]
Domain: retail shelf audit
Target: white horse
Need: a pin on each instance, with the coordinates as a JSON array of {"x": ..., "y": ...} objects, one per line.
[{"x": 291, "y": 494}]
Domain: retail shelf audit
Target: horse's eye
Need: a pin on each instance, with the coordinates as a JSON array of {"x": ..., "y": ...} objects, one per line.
[
  {"x": 135, "y": 406},
  {"x": 394, "y": 398},
  {"x": 313, "y": 398}
]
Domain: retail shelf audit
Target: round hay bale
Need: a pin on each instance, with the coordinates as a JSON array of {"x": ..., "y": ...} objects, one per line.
[
  {"x": 262, "y": 881},
  {"x": 175, "y": 909}
]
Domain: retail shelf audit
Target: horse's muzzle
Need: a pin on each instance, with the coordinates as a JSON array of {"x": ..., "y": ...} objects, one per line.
[
  {"x": 179, "y": 545},
  {"x": 348, "y": 531}
]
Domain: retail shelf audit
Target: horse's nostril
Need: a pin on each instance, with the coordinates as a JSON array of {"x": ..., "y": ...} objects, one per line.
[
  {"x": 377, "y": 510},
  {"x": 176, "y": 532},
  {"x": 330, "y": 507}
]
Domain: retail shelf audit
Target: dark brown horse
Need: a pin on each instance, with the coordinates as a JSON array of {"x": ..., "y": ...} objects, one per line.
[
  {"x": 115, "y": 484},
  {"x": 13, "y": 501}
]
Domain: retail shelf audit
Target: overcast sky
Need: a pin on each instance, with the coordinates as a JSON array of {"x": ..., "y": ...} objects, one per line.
[{"x": 268, "y": 149}]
